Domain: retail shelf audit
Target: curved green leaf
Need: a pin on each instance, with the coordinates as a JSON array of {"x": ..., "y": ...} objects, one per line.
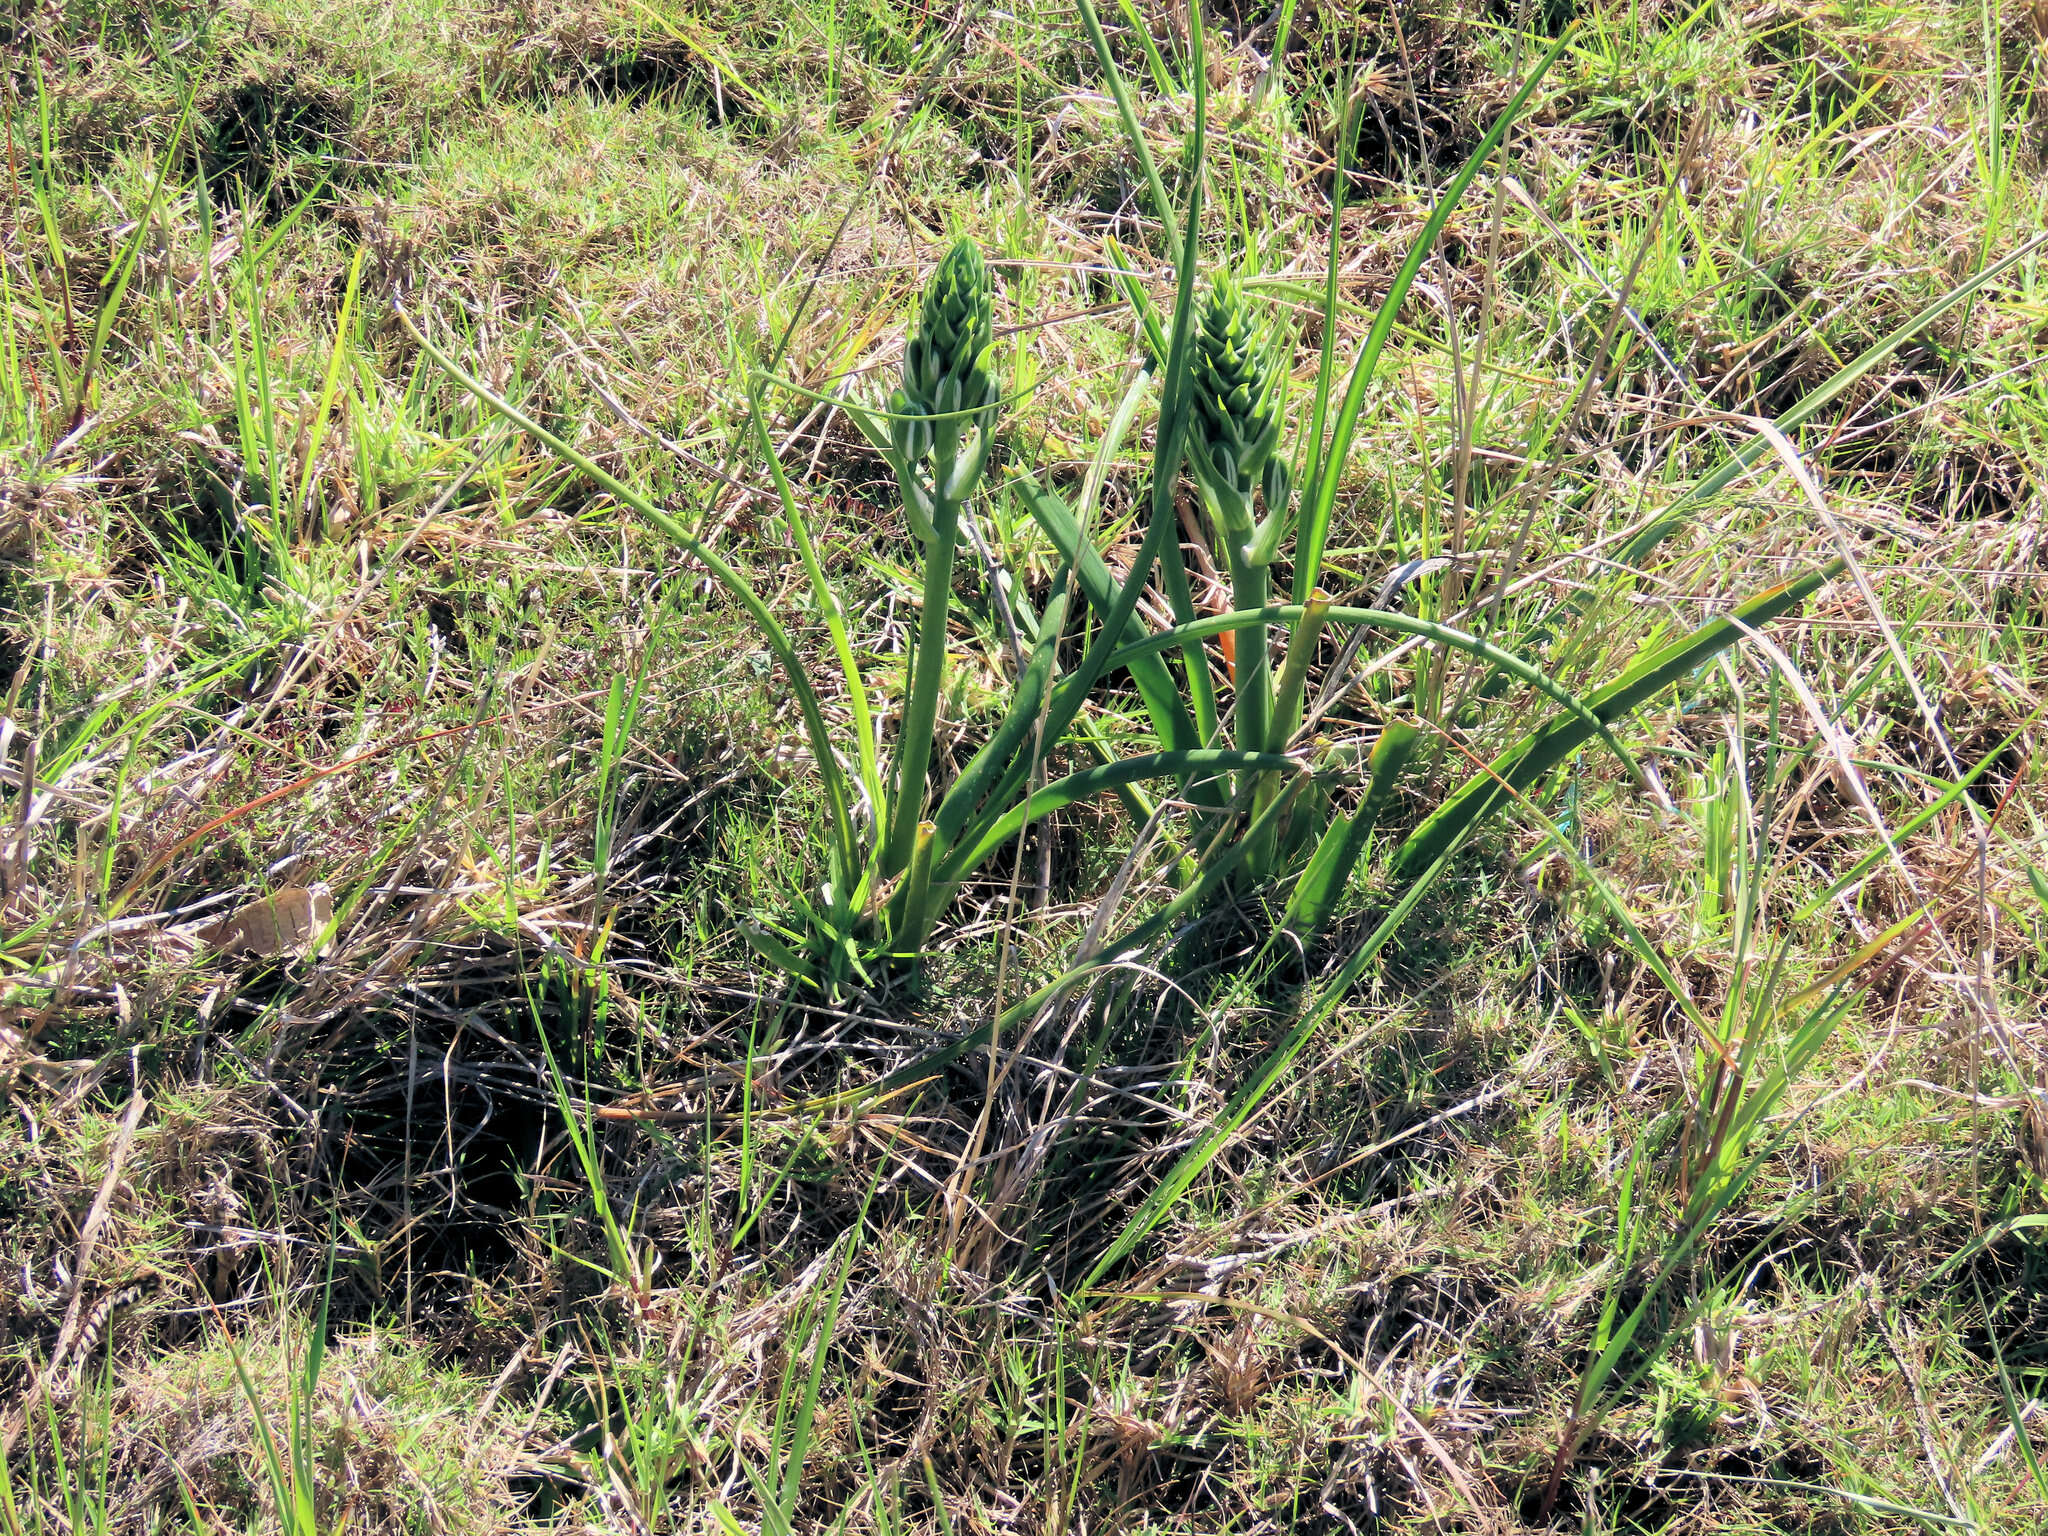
[
  {"x": 1169, "y": 714},
  {"x": 1329, "y": 868},
  {"x": 1322, "y": 505},
  {"x": 1401, "y": 623},
  {"x": 1547, "y": 746}
]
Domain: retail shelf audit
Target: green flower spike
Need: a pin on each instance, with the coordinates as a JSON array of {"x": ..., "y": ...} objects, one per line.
[
  {"x": 1238, "y": 398},
  {"x": 945, "y": 364}
]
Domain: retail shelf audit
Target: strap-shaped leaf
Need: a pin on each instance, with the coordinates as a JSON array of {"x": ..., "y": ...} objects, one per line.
[
  {"x": 1170, "y": 443},
  {"x": 1002, "y": 749},
  {"x": 1329, "y": 869},
  {"x": 1400, "y": 623},
  {"x": 1543, "y": 749},
  {"x": 1321, "y": 493},
  {"x": 1314, "y": 1014}
]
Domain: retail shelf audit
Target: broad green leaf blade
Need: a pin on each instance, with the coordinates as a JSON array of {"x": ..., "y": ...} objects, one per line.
[
  {"x": 1162, "y": 698},
  {"x": 1216, "y": 872},
  {"x": 1400, "y": 623},
  {"x": 775, "y": 952},
  {"x": 1543, "y": 749},
  {"x": 1172, "y": 564},
  {"x": 1001, "y": 750},
  {"x": 1329, "y": 869}
]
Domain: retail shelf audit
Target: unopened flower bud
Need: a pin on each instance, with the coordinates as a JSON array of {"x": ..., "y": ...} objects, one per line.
[
  {"x": 945, "y": 363},
  {"x": 1235, "y": 425}
]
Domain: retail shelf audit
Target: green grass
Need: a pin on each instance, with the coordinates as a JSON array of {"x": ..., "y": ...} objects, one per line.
[{"x": 1598, "y": 1141}]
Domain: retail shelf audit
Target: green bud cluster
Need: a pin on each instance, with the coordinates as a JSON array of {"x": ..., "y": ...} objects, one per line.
[
  {"x": 1235, "y": 425},
  {"x": 945, "y": 364}
]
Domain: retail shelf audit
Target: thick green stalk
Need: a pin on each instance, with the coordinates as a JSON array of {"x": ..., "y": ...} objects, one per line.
[
  {"x": 924, "y": 672},
  {"x": 1255, "y": 716},
  {"x": 1248, "y": 588},
  {"x": 945, "y": 377}
]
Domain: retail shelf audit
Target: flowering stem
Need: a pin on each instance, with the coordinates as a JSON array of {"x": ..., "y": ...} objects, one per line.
[{"x": 924, "y": 675}]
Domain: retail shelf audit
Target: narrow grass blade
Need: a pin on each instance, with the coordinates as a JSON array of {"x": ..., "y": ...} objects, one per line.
[
  {"x": 1162, "y": 76},
  {"x": 830, "y": 610},
  {"x": 332, "y": 381},
  {"x": 845, "y": 850},
  {"x": 1322, "y": 495},
  {"x": 1309, "y": 472},
  {"x": 1138, "y": 299},
  {"x": 619, "y": 1247},
  {"x": 2015, "y": 1417},
  {"x": 1919, "y": 819},
  {"x": 1868, "y": 1503},
  {"x": 1865, "y": 363},
  {"x": 115, "y": 285}
]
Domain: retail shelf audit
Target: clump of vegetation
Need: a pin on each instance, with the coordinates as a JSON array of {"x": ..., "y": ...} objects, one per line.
[{"x": 843, "y": 769}]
